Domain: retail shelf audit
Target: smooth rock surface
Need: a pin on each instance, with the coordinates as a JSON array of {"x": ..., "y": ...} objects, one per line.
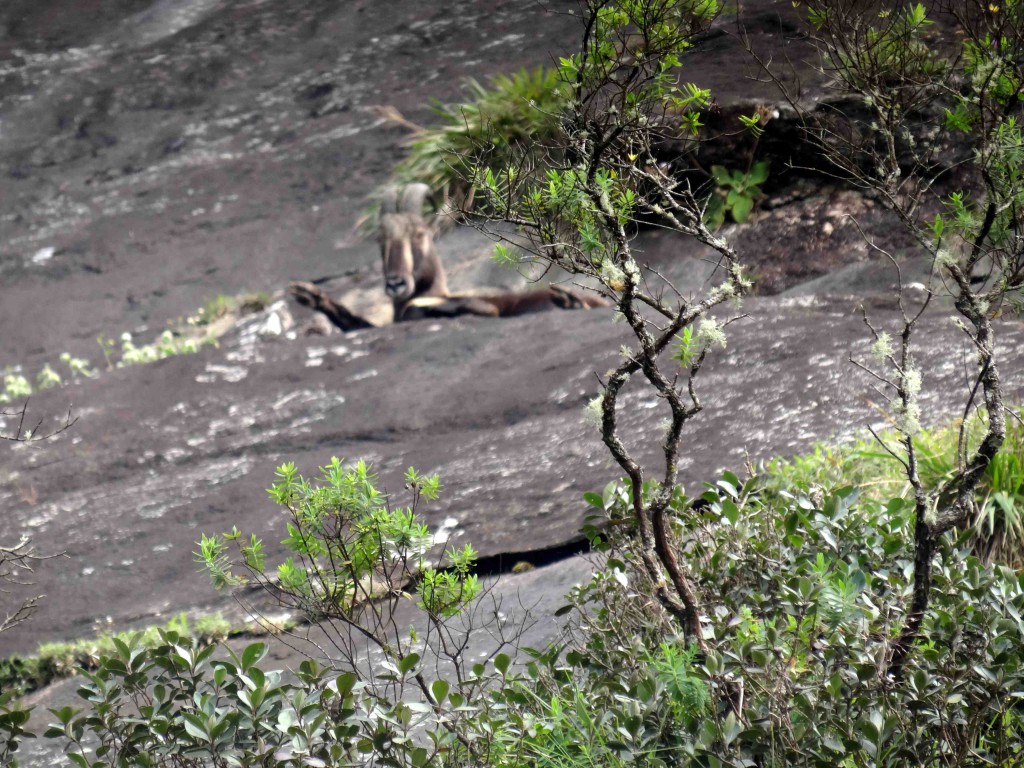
[{"x": 169, "y": 450}]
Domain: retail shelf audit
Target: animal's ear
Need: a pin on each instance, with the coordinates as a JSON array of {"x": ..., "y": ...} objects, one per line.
[
  {"x": 389, "y": 203},
  {"x": 413, "y": 197}
]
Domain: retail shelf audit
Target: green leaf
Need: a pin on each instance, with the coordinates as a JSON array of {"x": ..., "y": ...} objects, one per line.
[
  {"x": 439, "y": 690},
  {"x": 502, "y": 662},
  {"x": 195, "y": 727},
  {"x": 758, "y": 173},
  {"x": 253, "y": 654},
  {"x": 122, "y": 648},
  {"x": 730, "y": 511},
  {"x": 741, "y": 209},
  {"x": 64, "y": 714},
  {"x": 406, "y": 665}
]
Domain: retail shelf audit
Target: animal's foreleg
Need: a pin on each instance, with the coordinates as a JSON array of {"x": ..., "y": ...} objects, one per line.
[{"x": 315, "y": 298}]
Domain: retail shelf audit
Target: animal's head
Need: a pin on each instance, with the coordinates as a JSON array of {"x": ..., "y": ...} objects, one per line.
[{"x": 411, "y": 265}]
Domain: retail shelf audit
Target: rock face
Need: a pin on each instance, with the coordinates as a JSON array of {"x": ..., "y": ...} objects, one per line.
[
  {"x": 169, "y": 150},
  {"x": 154, "y": 153},
  {"x": 166, "y": 451}
]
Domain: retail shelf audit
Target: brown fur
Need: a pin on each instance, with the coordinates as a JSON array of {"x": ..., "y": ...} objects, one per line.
[
  {"x": 507, "y": 304},
  {"x": 314, "y": 297},
  {"x": 410, "y": 258},
  {"x": 415, "y": 280}
]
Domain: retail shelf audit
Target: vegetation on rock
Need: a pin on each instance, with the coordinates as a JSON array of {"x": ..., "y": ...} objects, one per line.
[{"x": 56, "y": 660}]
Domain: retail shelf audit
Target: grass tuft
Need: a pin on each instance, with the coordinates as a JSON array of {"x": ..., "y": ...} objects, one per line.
[{"x": 491, "y": 129}]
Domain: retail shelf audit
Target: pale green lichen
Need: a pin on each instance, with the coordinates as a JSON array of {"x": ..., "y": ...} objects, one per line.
[
  {"x": 908, "y": 418},
  {"x": 710, "y": 333},
  {"x": 945, "y": 258},
  {"x": 912, "y": 381},
  {"x": 722, "y": 292},
  {"x": 984, "y": 71},
  {"x": 612, "y": 276},
  {"x": 882, "y": 349},
  {"x": 593, "y": 412},
  {"x": 931, "y": 514}
]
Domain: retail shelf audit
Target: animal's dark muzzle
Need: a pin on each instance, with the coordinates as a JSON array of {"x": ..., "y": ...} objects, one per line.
[{"x": 397, "y": 287}]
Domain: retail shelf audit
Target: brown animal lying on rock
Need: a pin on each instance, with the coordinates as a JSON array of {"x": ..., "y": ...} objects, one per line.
[{"x": 414, "y": 277}]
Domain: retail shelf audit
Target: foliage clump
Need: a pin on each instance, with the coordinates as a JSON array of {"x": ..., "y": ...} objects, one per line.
[
  {"x": 167, "y": 344},
  {"x": 176, "y": 704},
  {"x": 347, "y": 545},
  {"x": 804, "y": 593},
  {"x": 17, "y": 386},
  {"x": 997, "y": 531},
  {"x": 508, "y": 115},
  {"x": 55, "y": 660},
  {"x": 185, "y": 337}
]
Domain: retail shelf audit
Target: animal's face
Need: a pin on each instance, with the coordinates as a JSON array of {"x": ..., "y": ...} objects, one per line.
[{"x": 405, "y": 244}]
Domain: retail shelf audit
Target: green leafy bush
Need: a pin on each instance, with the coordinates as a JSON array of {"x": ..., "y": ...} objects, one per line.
[
  {"x": 175, "y": 704},
  {"x": 735, "y": 193},
  {"x": 357, "y": 564},
  {"x": 346, "y": 544},
  {"x": 55, "y": 660},
  {"x": 997, "y": 532},
  {"x": 496, "y": 122},
  {"x": 804, "y": 594}
]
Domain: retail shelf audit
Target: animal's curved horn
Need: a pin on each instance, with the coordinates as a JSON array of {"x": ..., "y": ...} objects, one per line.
[
  {"x": 413, "y": 197},
  {"x": 389, "y": 203}
]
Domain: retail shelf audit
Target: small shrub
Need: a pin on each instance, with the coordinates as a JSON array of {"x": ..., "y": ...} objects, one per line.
[
  {"x": 168, "y": 344},
  {"x": 346, "y": 544},
  {"x": 78, "y": 366},
  {"x": 997, "y": 532},
  {"x": 56, "y": 660},
  {"x": 251, "y": 303},
  {"x": 16, "y": 387},
  {"x": 47, "y": 378},
  {"x": 805, "y": 593},
  {"x": 216, "y": 308},
  {"x": 735, "y": 193},
  {"x": 354, "y": 562},
  {"x": 173, "y": 704},
  {"x": 507, "y": 115}
]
